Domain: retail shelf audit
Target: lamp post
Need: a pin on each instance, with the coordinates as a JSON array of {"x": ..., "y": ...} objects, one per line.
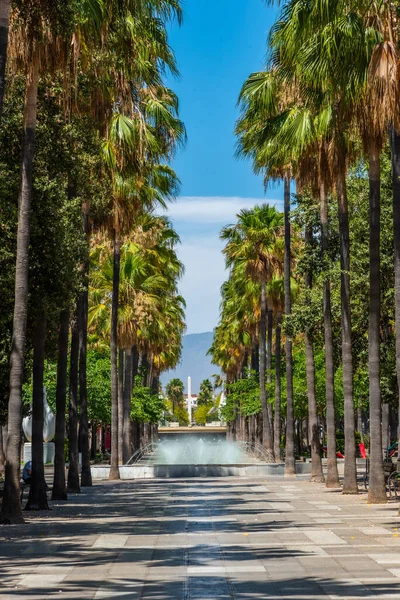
[{"x": 189, "y": 400}]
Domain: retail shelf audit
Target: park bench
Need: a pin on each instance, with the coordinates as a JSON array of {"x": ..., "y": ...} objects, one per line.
[
  {"x": 392, "y": 476},
  {"x": 393, "y": 483}
]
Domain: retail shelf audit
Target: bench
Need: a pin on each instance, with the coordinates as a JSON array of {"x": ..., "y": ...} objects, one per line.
[
  {"x": 389, "y": 469},
  {"x": 393, "y": 483}
]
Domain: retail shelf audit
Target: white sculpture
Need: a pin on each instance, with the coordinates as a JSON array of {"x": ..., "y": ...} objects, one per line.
[{"x": 49, "y": 422}]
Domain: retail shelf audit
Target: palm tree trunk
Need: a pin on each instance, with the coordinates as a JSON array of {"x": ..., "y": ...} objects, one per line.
[
  {"x": 376, "y": 488},
  {"x": 127, "y": 444},
  {"x": 155, "y": 384},
  {"x": 121, "y": 363},
  {"x": 59, "y": 486},
  {"x": 359, "y": 422},
  {"x": 385, "y": 427},
  {"x": 317, "y": 474},
  {"x": 73, "y": 452},
  {"x": 277, "y": 415},
  {"x": 86, "y": 476},
  {"x": 4, "y": 27},
  {"x": 255, "y": 358},
  {"x": 267, "y": 435},
  {"x": 135, "y": 364},
  {"x": 332, "y": 475},
  {"x": 114, "y": 469},
  {"x": 395, "y": 151},
  {"x": 11, "y": 506},
  {"x": 290, "y": 465},
  {"x": 269, "y": 371},
  {"x": 37, "y": 499},
  {"x": 2, "y": 453},
  {"x": 144, "y": 363},
  {"x": 350, "y": 467},
  {"x": 83, "y": 307}
]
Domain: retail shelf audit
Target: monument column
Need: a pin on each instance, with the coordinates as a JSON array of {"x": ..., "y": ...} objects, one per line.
[{"x": 189, "y": 400}]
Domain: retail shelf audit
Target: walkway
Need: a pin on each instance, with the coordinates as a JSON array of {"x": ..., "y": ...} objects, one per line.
[{"x": 204, "y": 540}]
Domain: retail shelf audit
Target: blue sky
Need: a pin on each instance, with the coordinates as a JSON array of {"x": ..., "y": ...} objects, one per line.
[{"x": 220, "y": 43}]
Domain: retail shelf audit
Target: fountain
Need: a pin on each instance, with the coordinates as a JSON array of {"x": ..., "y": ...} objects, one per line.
[
  {"x": 186, "y": 456},
  {"x": 191, "y": 450}
]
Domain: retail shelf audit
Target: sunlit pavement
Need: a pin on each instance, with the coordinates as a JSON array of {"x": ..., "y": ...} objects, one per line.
[{"x": 204, "y": 539}]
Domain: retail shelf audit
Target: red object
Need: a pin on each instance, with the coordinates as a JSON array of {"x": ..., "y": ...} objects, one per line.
[
  {"x": 108, "y": 441},
  {"x": 339, "y": 455},
  {"x": 362, "y": 450}
]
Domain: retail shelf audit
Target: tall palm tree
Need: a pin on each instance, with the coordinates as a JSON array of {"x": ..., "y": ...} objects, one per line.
[
  {"x": 316, "y": 458},
  {"x": 313, "y": 45},
  {"x": 59, "y": 491},
  {"x": 148, "y": 274},
  {"x": 265, "y": 113},
  {"x": 37, "y": 499},
  {"x": 332, "y": 474},
  {"x": 276, "y": 294},
  {"x": 255, "y": 241},
  {"x": 35, "y": 43}
]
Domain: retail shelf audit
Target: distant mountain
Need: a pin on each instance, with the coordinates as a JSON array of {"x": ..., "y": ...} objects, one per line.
[{"x": 194, "y": 361}]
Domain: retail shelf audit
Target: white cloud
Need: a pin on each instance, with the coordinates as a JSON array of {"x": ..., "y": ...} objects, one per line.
[
  {"x": 198, "y": 220},
  {"x": 200, "y": 286},
  {"x": 212, "y": 209}
]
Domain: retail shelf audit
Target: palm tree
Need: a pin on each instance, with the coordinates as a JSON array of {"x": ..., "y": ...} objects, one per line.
[
  {"x": 316, "y": 462},
  {"x": 148, "y": 301},
  {"x": 59, "y": 491},
  {"x": 290, "y": 466},
  {"x": 332, "y": 475},
  {"x": 276, "y": 294},
  {"x": 73, "y": 459},
  {"x": 37, "y": 499},
  {"x": 255, "y": 241},
  {"x": 395, "y": 148},
  {"x": 38, "y": 41},
  {"x": 265, "y": 114}
]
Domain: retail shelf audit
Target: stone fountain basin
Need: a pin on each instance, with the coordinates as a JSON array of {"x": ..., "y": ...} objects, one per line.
[{"x": 143, "y": 471}]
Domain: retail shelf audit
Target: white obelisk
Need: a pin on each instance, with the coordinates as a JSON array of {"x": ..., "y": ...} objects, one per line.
[{"x": 189, "y": 400}]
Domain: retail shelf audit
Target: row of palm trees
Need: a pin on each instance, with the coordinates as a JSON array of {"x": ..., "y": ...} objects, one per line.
[
  {"x": 109, "y": 59},
  {"x": 150, "y": 313},
  {"x": 329, "y": 95}
]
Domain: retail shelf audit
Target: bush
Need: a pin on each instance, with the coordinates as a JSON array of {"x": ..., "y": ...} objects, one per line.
[
  {"x": 201, "y": 414},
  {"x": 181, "y": 415}
]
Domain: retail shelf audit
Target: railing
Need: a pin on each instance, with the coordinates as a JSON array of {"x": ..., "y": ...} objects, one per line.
[{"x": 142, "y": 452}]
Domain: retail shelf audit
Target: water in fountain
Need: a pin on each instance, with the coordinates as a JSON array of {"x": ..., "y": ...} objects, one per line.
[{"x": 193, "y": 450}]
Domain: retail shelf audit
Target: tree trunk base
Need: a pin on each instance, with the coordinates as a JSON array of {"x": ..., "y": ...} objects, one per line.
[
  {"x": 332, "y": 484},
  {"x": 332, "y": 475},
  {"x": 289, "y": 473},
  {"x": 348, "y": 491},
  {"x": 36, "y": 507},
  {"x": 57, "y": 496},
  {"x": 317, "y": 479},
  {"x": 114, "y": 474},
  {"x": 377, "y": 498},
  {"x": 73, "y": 490},
  {"x": 11, "y": 519},
  {"x": 86, "y": 479}
]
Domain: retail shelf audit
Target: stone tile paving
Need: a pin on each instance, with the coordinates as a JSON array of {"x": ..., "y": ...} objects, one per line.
[{"x": 204, "y": 539}]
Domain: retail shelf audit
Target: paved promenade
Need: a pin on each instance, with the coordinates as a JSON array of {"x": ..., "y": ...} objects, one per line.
[{"x": 204, "y": 540}]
